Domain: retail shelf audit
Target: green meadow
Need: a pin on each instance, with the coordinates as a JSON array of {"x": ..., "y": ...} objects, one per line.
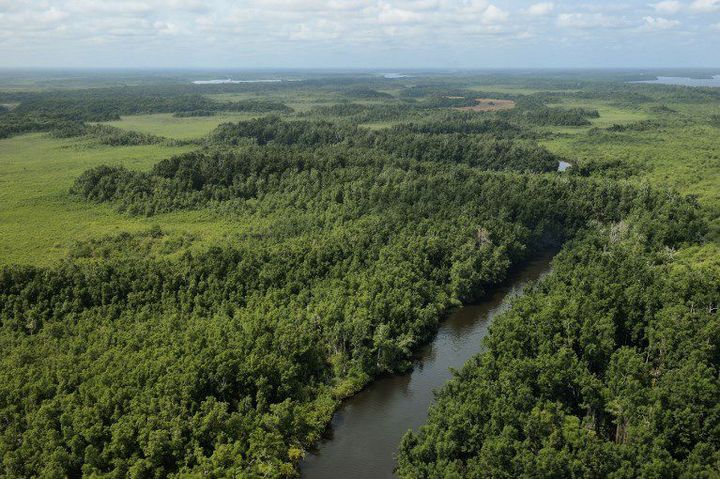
[
  {"x": 39, "y": 219},
  {"x": 168, "y": 126},
  {"x": 680, "y": 152}
]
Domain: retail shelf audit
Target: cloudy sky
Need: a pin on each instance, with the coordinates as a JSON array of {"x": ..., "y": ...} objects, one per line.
[{"x": 359, "y": 33}]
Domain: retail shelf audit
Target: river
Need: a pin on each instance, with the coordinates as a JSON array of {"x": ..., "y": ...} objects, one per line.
[{"x": 366, "y": 431}]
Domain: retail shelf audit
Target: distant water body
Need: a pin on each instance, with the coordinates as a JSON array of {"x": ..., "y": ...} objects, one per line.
[{"x": 685, "y": 81}]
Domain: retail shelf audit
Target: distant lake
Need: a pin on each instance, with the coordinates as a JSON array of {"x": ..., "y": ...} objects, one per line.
[{"x": 685, "y": 81}]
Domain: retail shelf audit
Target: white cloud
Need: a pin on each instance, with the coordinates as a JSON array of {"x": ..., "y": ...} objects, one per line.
[
  {"x": 477, "y": 6},
  {"x": 494, "y": 15},
  {"x": 195, "y": 6},
  {"x": 165, "y": 28},
  {"x": 52, "y": 15},
  {"x": 319, "y": 31},
  {"x": 33, "y": 21},
  {"x": 658, "y": 23},
  {"x": 705, "y": 6},
  {"x": 263, "y": 28},
  {"x": 589, "y": 20},
  {"x": 541, "y": 9},
  {"x": 391, "y": 15},
  {"x": 90, "y": 7},
  {"x": 668, "y": 7}
]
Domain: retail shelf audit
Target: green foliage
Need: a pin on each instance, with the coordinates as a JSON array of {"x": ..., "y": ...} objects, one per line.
[
  {"x": 336, "y": 249},
  {"x": 106, "y": 135},
  {"x": 365, "y": 93},
  {"x": 255, "y": 106},
  {"x": 643, "y": 125},
  {"x": 545, "y": 116},
  {"x": 608, "y": 368},
  {"x": 273, "y": 129},
  {"x": 135, "y": 353},
  {"x": 54, "y": 110},
  {"x": 466, "y": 123},
  {"x": 220, "y": 359},
  {"x": 411, "y": 141},
  {"x": 365, "y": 113}
]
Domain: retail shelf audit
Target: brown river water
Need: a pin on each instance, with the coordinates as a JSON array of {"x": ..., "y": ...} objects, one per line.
[{"x": 366, "y": 431}]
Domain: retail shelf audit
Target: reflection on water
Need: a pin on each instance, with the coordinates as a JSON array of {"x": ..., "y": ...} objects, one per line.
[
  {"x": 685, "y": 81},
  {"x": 367, "y": 429}
]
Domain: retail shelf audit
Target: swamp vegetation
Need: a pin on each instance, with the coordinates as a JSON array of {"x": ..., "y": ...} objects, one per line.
[{"x": 193, "y": 297}]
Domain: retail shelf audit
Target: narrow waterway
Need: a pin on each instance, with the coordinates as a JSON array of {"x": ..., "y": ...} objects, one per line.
[{"x": 366, "y": 430}]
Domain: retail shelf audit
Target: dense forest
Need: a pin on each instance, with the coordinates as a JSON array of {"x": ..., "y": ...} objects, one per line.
[
  {"x": 375, "y": 212},
  {"x": 608, "y": 368}
]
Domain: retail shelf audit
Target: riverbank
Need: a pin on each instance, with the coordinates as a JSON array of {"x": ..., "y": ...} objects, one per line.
[{"x": 367, "y": 428}]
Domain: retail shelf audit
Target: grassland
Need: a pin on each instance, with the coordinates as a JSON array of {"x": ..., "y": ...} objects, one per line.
[
  {"x": 682, "y": 152},
  {"x": 165, "y": 124},
  {"x": 610, "y": 114},
  {"x": 40, "y": 221}
]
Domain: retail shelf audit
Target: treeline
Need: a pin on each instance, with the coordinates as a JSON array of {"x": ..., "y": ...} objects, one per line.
[
  {"x": 365, "y": 93},
  {"x": 558, "y": 116},
  {"x": 532, "y": 110},
  {"x": 481, "y": 151},
  {"x": 466, "y": 123},
  {"x": 608, "y": 368},
  {"x": 253, "y": 106},
  {"x": 529, "y": 109},
  {"x": 217, "y": 175},
  {"x": 365, "y": 113},
  {"x": 642, "y": 125},
  {"x": 193, "y": 113},
  {"x": 247, "y": 106},
  {"x": 451, "y": 144},
  {"x": 106, "y": 134},
  {"x": 46, "y": 111},
  {"x": 230, "y": 361},
  {"x": 437, "y": 90},
  {"x": 273, "y": 129},
  {"x": 613, "y": 168}
]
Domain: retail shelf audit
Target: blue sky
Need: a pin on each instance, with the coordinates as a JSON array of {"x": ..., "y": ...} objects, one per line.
[{"x": 359, "y": 33}]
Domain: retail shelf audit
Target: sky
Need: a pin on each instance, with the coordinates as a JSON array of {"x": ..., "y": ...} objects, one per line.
[{"x": 392, "y": 34}]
